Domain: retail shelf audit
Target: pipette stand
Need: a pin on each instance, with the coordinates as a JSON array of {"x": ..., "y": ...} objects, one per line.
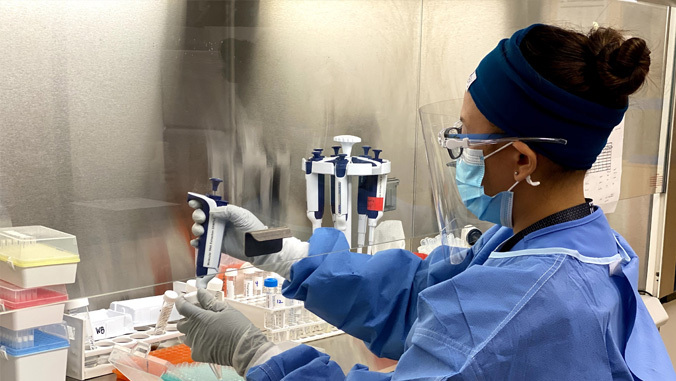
[{"x": 363, "y": 165}]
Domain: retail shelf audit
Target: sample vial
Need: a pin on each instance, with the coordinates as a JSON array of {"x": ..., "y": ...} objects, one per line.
[
  {"x": 290, "y": 314},
  {"x": 80, "y": 308},
  {"x": 230, "y": 282},
  {"x": 258, "y": 282},
  {"x": 280, "y": 282},
  {"x": 215, "y": 285},
  {"x": 270, "y": 291},
  {"x": 249, "y": 281},
  {"x": 168, "y": 304}
]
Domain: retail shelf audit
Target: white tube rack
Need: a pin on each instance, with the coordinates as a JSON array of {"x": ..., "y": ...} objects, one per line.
[
  {"x": 308, "y": 327},
  {"x": 85, "y": 364}
]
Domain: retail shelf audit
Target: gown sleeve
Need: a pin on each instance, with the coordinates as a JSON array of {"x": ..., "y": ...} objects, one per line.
[
  {"x": 374, "y": 298},
  {"x": 371, "y": 297}
]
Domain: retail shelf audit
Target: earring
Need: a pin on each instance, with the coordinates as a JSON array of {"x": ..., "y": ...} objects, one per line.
[
  {"x": 516, "y": 173},
  {"x": 531, "y": 182}
]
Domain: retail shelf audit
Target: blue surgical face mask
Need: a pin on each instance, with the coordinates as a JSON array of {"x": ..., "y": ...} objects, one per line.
[{"x": 469, "y": 173}]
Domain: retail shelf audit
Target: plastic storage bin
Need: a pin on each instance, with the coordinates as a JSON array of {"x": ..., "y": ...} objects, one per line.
[
  {"x": 43, "y": 358},
  {"x": 33, "y": 307},
  {"x": 37, "y": 256}
]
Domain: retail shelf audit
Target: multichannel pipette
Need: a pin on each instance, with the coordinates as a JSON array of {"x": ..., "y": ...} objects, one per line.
[{"x": 210, "y": 230}]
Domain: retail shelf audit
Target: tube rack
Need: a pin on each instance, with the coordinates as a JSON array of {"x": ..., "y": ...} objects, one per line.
[
  {"x": 84, "y": 364},
  {"x": 288, "y": 322}
]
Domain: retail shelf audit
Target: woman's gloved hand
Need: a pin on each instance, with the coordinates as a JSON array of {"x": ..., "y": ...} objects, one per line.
[
  {"x": 219, "y": 334},
  {"x": 239, "y": 221}
]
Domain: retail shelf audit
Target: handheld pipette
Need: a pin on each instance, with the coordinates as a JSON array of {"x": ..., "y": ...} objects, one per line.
[{"x": 208, "y": 252}]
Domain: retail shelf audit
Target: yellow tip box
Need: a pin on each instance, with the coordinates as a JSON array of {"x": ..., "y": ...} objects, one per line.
[{"x": 37, "y": 256}]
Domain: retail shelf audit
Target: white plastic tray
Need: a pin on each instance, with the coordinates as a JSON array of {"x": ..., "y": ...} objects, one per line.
[
  {"x": 32, "y": 317},
  {"x": 41, "y": 276}
]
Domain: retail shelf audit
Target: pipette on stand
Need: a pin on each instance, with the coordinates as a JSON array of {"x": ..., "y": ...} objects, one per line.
[
  {"x": 376, "y": 202},
  {"x": 365, "y": 186},
  {"x": 343, "y": 196},
  {"x": 336, "y": 149},
  {"x": 314, "y": 184}
]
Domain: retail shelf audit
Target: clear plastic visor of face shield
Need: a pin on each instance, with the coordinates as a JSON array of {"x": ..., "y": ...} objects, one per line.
[
  {"x": 447, "y": 208},
  {"x": 455, "y": 141},
  {"x": 443, "y": 137}
]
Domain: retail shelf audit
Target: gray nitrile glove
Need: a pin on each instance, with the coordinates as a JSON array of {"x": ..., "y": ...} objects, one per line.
[
  {"x": 240, "y": 221},
  {"x": 219, "y": 334}
]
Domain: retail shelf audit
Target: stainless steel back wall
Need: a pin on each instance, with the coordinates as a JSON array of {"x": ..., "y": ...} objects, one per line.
[{"x": 112, "y": 111}]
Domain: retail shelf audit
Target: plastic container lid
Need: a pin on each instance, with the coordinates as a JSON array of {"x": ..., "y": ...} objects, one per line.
[
  {"x": 13, "y": 297},
  {"x": 215, "y": 284},
  {"x": 32, "y": 246},
  {"x": 231, "y": 271},
  {"x": 170, "y": 296},
  {"x": 249, "y": 271},
  {"x": 270, "y": 282}
]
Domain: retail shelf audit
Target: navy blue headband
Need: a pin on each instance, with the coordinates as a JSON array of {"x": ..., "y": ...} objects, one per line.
[{"x": 519, "y": 101}]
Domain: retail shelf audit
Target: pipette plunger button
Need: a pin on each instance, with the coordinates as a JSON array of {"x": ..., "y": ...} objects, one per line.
[{"x": 215, "y": 182}]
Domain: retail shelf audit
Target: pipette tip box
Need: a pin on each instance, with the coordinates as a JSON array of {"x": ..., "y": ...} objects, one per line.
[
  {"x": 37, "y": 256},
  {"x": 34, "y": 354},
  {"x": 32, "y": 307}
]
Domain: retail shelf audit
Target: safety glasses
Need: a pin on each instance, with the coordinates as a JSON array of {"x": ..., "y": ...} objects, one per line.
[{"x": 455, "y": 141}]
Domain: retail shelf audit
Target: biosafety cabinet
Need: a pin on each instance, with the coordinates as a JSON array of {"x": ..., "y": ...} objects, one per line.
[{"x": 111, "y": 111}]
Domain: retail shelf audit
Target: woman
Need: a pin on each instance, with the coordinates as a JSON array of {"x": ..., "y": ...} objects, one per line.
[{"x": 547, "y": 293}]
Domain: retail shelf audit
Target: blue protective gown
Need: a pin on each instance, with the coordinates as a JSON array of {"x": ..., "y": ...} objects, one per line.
[{"x": 561, "y": 305}]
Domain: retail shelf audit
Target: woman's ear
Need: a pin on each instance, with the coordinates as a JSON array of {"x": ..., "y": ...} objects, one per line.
[{"x": 527, "y": 162}]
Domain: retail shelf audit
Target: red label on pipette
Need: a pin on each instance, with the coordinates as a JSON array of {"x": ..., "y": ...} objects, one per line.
[{"x": 375, "y": 204}]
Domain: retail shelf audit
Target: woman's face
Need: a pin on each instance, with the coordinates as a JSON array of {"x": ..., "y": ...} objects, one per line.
[{"x": 499, "y": 175}]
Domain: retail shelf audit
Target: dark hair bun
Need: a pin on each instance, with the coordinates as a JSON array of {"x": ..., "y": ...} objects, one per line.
[
  {"x": 600, "y": 66},
  {"x": 621, "y": 66}
]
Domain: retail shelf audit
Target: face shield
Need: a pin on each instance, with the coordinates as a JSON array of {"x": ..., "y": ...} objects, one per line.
[
  {"x": 445, "y": 143},
  {"x": 454, "y": 220}
]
